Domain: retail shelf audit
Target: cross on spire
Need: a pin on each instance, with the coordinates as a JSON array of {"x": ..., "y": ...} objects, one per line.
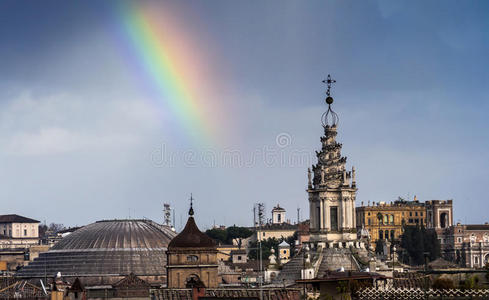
[
  {"x": 191, "y": 211},
  {"x": 329, "y": 81}
]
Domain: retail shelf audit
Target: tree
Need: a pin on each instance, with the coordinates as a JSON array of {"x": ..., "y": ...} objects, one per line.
[
  {"x": 229, "y": 235},
  {"x": 42, "y": 230},
  {"x": 266, "y": 246},
  {"x": 56, "y": 227},
  {"x": 218, "y": 235},
  {"x": 237, "y": 234},
  {"x": 416, "y": 240}
]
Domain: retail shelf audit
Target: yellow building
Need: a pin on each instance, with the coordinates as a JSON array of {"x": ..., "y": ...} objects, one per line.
[
  {"x": 192, "y": 258},
  {"x": 386, "y": 220},
  {"x": 224, "y": 252}
]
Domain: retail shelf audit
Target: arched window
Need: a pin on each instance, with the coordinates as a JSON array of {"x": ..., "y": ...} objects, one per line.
[
  {"x": 386, "y": 219},
  {"x": 392, "y": 235},
  {"x": 391, "y": 219}
]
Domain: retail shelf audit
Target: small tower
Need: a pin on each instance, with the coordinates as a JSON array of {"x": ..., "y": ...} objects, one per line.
[
  {"x": 192, "y": 257},
  {"x": 284, "y": 252},
  {"x": 278, "y": 215},
  {"x": 333, "y": 190}
]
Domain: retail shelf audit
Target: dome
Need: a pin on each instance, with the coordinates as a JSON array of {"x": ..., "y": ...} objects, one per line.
[
  {"x": 191, "y": 237},
  {"x": 107, "y": 248}
]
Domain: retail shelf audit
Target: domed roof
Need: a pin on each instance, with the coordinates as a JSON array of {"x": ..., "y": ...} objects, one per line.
[
  {"x": 191, "y": 237},
  {"x": 116, "y": 234},
  {"x": 107, "y": 248}
]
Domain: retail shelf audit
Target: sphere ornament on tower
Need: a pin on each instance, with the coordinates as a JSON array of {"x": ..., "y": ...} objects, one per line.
[{"x": 329, "y": 118}]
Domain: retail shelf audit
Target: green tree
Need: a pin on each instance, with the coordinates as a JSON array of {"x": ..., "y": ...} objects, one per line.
[
  {"x": 235, "y": 233},
  {"x": 218, "y": 235},
  {"x": 266, "y": 246},
  {"x": 416, "y": 240}
]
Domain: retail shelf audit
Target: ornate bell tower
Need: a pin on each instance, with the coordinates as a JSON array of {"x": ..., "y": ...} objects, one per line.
[{"x": 331, "y": 188}]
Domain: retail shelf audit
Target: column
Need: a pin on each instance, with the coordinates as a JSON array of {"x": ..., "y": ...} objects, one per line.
[
  {"x": 312, "y": 223},
  {"x": 327, "y": 217},
  {"x": 321, "y": 209},
  {"x": 353, "y": 212}
]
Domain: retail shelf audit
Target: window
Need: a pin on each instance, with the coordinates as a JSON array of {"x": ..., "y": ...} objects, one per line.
[
  {"x": 239, "y": 257},
  {"x": 476, "y": 260},
  {"x": 411, "y": 221},
  {"x": 279, "y": 217},
  {"x": 25, "y": 232},
  {"x": 421, "y": 213},
  {"x": 333, "y": 216},
  {"x": 392, "y": 234},
  {"x": 416, "y": 213},
  {"x": 381, "y": 234},
  {"x": 368, "y": 214},
  {"x": 416, "y": 221},
  {"x": 391, "y": 219},
  {"x": 369, "y": 221},
  {"x": 459, "y": 240},
  {"x": 386, "y": 219},
  {"x": 410, "y": 213},
  {"x": 192, "y": 258},
  {"x": 285, "y": 251}
]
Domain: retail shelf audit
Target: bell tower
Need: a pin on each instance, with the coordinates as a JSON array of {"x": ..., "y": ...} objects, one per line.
[{"x": 331, "y": 188}]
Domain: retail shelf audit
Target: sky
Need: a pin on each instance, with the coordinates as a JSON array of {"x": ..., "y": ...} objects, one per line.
[{"x": 110, "y": 109}]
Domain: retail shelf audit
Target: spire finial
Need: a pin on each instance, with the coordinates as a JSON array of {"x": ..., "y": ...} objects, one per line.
[
  {"x": 329, "y": 81},
  {"x": 329, "y": 118},
  {"x": 191, "y": 210}
]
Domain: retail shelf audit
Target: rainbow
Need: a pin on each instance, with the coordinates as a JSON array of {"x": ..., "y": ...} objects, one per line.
[{"x": 170, "y": 63}]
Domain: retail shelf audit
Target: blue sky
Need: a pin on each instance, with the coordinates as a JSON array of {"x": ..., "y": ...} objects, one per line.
[{"x": 80, "y": 142}]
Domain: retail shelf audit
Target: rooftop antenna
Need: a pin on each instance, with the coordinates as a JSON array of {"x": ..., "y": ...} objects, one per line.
[{"x": 167, "y": 214}]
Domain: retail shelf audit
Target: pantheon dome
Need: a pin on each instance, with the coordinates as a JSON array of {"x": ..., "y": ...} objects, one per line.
[{"x": 105, "y": 251}]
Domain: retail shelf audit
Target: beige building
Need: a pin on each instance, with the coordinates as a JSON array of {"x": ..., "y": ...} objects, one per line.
[
  {"x": 467, "y": 245},
  {"x": 18, "y": 231},
  {"x": 224, "y": 252},
  {"x": 278, "y": 215},
  {"x": 192, "y": 258}
]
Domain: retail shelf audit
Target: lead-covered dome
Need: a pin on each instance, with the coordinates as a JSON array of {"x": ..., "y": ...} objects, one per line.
[{"x": 107, "y": 248}]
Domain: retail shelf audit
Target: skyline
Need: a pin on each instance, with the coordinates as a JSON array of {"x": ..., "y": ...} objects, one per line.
[{"x": 89, "y": 132}]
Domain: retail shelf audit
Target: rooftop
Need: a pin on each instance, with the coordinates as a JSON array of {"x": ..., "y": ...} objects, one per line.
[
  {"x": 191, "y": 237},
  {"x": 13, "y": 218}
]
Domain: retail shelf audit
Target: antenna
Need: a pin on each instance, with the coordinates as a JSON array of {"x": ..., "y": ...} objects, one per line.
[
  {"x": 254, "y": 215},
  {"x": 167, "y": 214},
  {"x": 258, "y": 214}
]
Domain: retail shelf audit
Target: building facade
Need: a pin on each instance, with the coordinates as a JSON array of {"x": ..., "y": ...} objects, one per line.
[
  {"x": 192, "y": 257},
  {"x": 467, "y": 245},
  {"x": 385, "y": 221},
  {"x": 18, "y": 231}
]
